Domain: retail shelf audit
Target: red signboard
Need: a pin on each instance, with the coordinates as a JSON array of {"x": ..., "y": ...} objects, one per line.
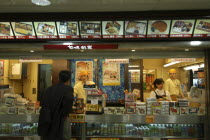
[
  {"x": 48, "y": 37},
  {"x": 81, "y": 47},
  {"x": 112, "y": 36},
  {"x": 90, "y": 36},
  {"x": 69, "y": 37}
]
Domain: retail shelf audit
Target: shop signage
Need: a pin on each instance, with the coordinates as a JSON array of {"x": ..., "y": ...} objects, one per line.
[
  {"x": 202, "y": 28},
  {"x": 135, "y": 29},
  {"x": 26, "y": 59},
  {"x": 81, "y": 47},
  {"x": 150, "y": 119},
  {"x": 90, "y": 29},
  {"x": 124, "y": 61},
  {"x": 6, "y": 31},
  {"x": 113, "y": 29},
  {"x": 77, "y": 118},
  {"x": 183, "y": 59}
]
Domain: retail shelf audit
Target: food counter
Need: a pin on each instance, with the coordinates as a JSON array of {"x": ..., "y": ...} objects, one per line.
[{"x": 115, "y": 126}]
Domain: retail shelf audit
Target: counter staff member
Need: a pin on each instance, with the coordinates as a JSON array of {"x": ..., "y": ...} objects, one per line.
[
  {"x": 79, "y": 91},
  {"x": 159, "y": 93},
  {"x": 173, "y": 86}
]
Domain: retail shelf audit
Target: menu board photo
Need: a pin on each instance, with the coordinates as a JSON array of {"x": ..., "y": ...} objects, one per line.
[
  {"x": 135, "y": 29},
  {"x": 23, "y": 30},
  {"x": 68, "y": 30},
  {"x": 202, "y": 28},
  {"x": 158, "y": 28},
  {"x": 45, "y": 30},
  {"x": 90, "y": 29},
  {"x": 182, "y": 28},
  {"x": 113, "y": 29},
  {"x": 6, "y": 31}
]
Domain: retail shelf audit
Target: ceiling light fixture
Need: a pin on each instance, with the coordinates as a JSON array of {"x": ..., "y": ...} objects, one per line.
[
  {"x": 133, "y": 50},
  {"x": 31, "y": 51},
  {"x": 133, "y": 66},
  {"x": 172, "y": 63},
  {"x": 194, "y": 67},
  {"x": 134, "y": 70},
  {"x": 68, "y": 43},
  {"x": 41, "y": 2},
  {"x": 195, "y": 43}
]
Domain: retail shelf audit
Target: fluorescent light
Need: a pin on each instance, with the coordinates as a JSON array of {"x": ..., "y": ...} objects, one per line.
[
  {"x": 195, "y": 67},
  {"x": 202, "y": 66},
  {"x": 41, "y": 2},
  {"x": 133, "y": 50},
  {"x": 195, "y": 43},
  {"x": 68, "y": 43},
  {"x": 172, "y": 63},
  {"x": 134, "y": 70},
  {"x": 133, "y": 66}
]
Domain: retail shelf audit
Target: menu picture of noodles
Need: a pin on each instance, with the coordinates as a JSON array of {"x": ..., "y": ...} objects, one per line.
[
  {"x": 90, "y": 29},
  {"x": 182, "y": 28},
  {"x": 135, "y": 29},
  {"x": 68, "y": 29},
  {"x": 23, "y": 30},
  {"x": 202, "y": 28},
  {"x": 111, "y": 74},
  {"x": 6, "y": 31},
  {"x": 46, "y": 30},
  {"x": 113, "y": 29},
  {"x": 158, "y": 28}
]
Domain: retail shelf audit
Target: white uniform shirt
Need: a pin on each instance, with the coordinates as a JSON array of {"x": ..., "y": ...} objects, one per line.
[
  {"x": 173, "y": 87},
  {"x": 160, "y": 93},
  {"x": 79, "y": 91}
]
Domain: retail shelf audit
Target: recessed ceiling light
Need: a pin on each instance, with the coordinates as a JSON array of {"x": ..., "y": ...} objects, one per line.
[
  {"x": 68, "y": 43},
  {"x": 195, "y": 43},
  {"x": 133, "y": 50},
  {"x": 187, "y": 50},
  {"x": 31, "y": 51},
  {"x": 41, "y": 2}
]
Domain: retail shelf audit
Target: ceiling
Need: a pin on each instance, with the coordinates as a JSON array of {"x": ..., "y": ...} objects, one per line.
[{"x": 25, "y": 6}]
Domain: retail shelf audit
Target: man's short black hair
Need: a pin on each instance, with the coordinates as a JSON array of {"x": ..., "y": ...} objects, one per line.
[
  {"x": 158, "y": 81},
  {"x": 64, "y": 76}
]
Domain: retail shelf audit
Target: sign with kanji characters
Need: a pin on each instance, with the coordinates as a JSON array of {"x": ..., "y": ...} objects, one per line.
[
  {"x": 6, "y": 31},
  {"x": 202, "y": 28},
  {"x": 183, "y": 59},
  {"x": 68, "y": 30},
  {"x": 124, "y": 61},
  {"x": 46, "y": 30},
  {"x": 1, "y": 67},
  {"x": 24, "y": 30},
  {"x": 182, "y": 28},
  {"x": 81, "y": 47},
  {"x": 158, "y": 28},
  {"x": 113, "y": 29},
  {"x": 90, "y": 29}
]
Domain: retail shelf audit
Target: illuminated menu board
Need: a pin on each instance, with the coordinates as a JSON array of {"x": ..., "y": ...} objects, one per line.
[
  {"x": 158, "y": 28},
  {"x": 182, "y": 28},
  {"x": 6, "y": 31},
  {"x": 68, "y": 30},
  {"x": 45, "y": 30},
  {"x": 23, "y": 30},
  {"x": 90, "y": 29},
  {"x": 135, "y": 29},
  {"x": 113, "y": 29},
  {"x": 202, "y": 28}
]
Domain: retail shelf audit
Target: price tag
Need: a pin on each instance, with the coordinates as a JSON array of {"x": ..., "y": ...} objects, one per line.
[
  {"x": 94, "y": 101},
  {"x": 150, "y": 119}
]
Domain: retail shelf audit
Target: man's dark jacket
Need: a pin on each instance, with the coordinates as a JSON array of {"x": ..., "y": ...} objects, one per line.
[{"x": 59, "y": 98}]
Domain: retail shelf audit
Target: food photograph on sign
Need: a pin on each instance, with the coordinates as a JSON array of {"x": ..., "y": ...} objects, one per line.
[
  {"x": 22, "y": 28},
  {"x": 113, "y": 27},
  {"x": 90, "y": 27},
  {"x": 5, "y": 29},
  {"x": 202, "y": 28},
  {"x": 68, "y": 28},
  {"x": 135, "y": 27},
  {"x": 111, "y": 74},
  {"x": 45, "y": 28},
  {"x": 182, "y": 26},
  {"x": 158, "y": 27}
]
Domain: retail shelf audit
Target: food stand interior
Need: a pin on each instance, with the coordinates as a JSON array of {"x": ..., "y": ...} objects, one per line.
[{"x": 146, "y": 63}]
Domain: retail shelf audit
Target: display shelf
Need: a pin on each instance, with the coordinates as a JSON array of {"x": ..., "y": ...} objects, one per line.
[
  {"x": 136, "y": 119},
  {"x": 166, "y": 137},
  {"x": 133, "y": 119}
]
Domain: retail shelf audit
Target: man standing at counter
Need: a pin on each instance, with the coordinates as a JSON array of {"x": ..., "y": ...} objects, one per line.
[
  {"x": 79, "y": 91},
  {"x": 173, "y": 86},
  {"x": 56, "y": 106}
]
